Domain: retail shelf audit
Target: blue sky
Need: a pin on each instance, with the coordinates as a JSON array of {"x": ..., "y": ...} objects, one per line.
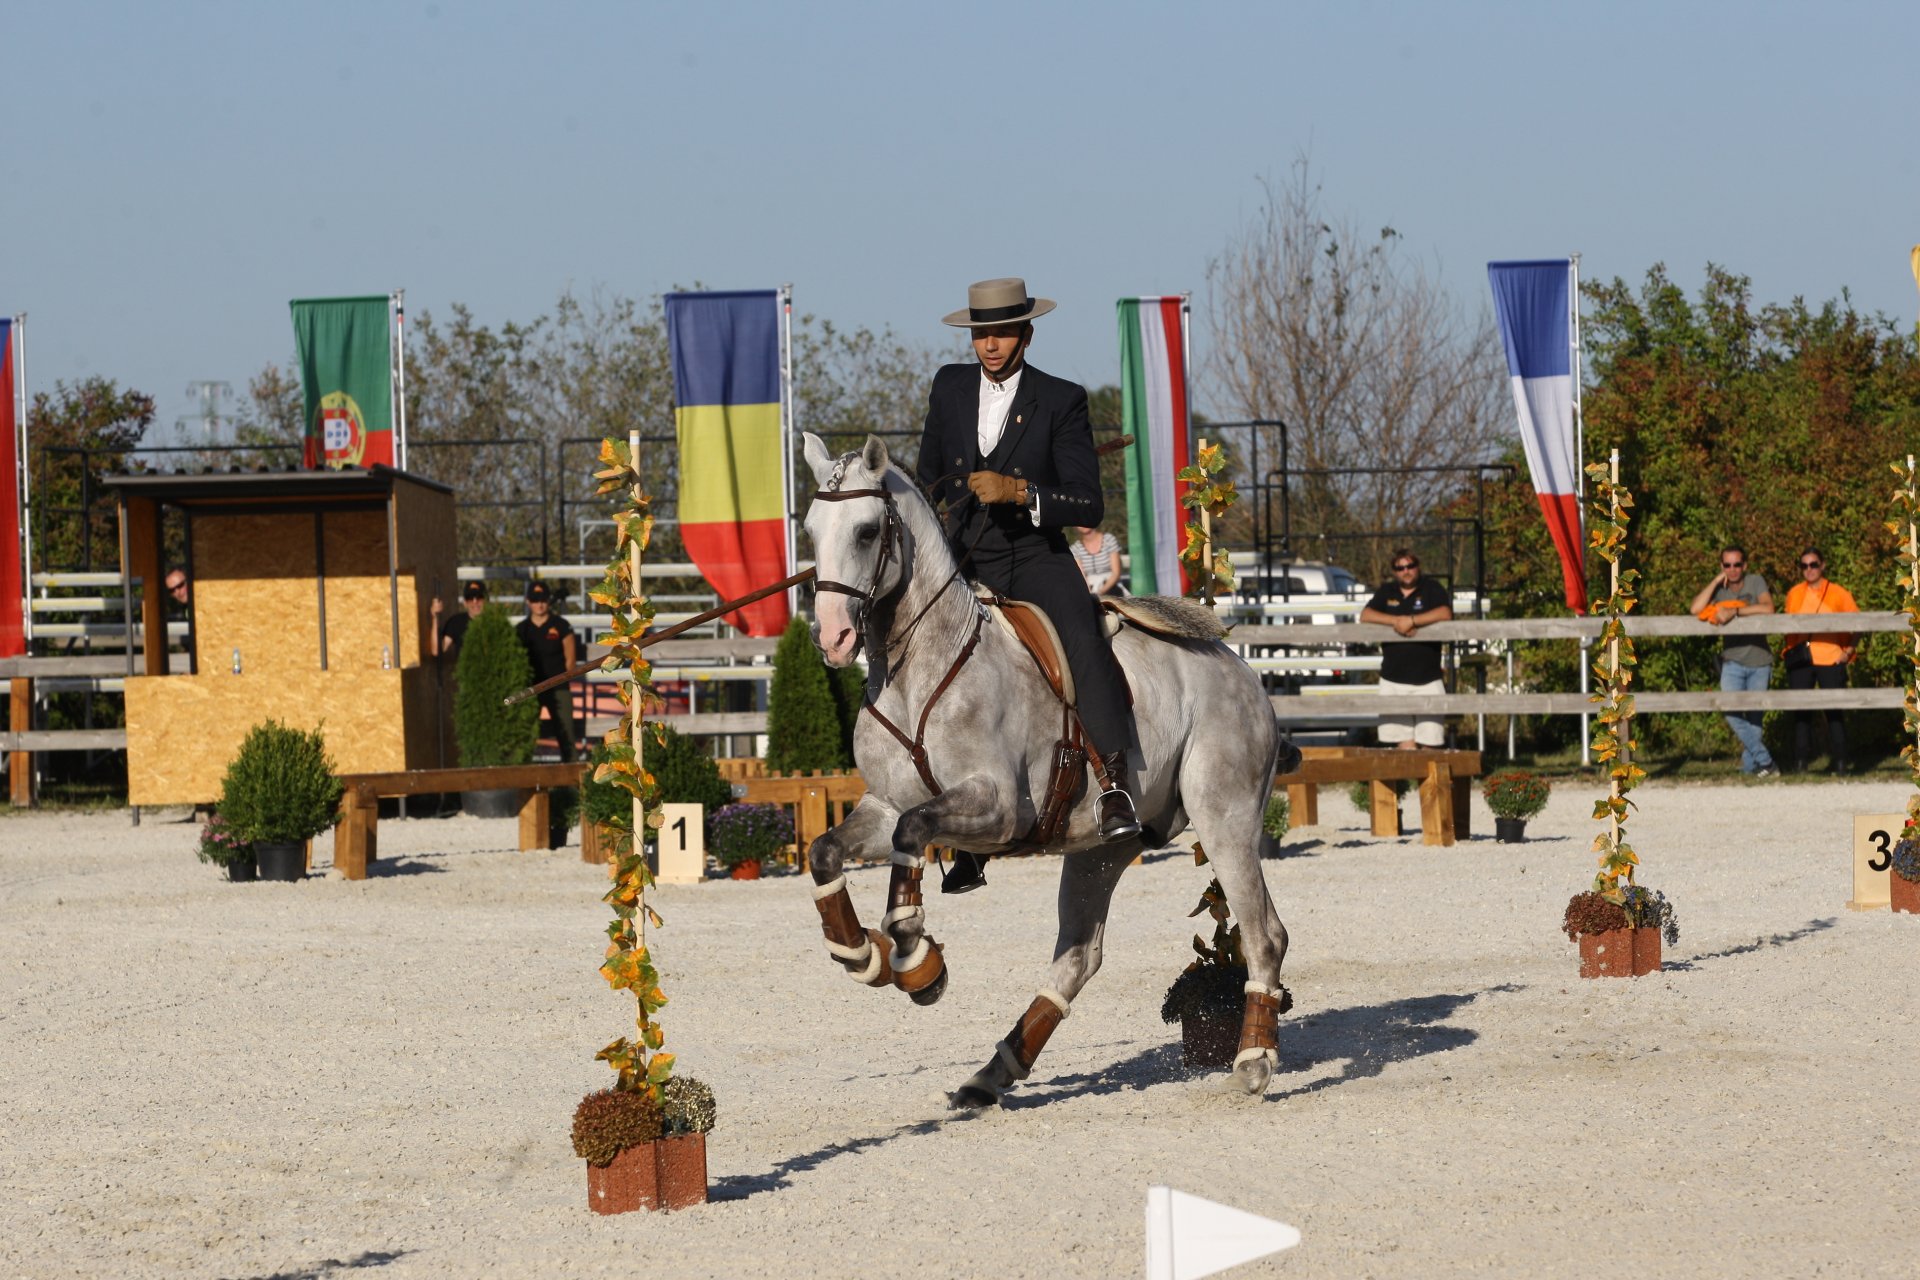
[{"x": 171, "y": 174}]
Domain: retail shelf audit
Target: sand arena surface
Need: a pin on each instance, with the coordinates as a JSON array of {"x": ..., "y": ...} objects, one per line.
[{"x": 329, "y": 1079}]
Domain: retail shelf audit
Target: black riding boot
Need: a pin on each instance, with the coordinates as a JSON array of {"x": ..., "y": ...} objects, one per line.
[
  {"x": 969, "y": 872},
  {"x": 1117, "y": 818}
]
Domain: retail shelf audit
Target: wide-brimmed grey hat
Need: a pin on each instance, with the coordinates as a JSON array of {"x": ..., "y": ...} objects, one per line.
[{"x": 993, "y": 302}]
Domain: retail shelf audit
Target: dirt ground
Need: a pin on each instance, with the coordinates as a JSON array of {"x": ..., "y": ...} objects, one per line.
[{"x": 206, "y": 1079}]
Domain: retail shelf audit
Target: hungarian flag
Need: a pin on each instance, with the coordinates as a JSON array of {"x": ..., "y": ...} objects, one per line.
[
  {"x": 1153, "y": 409},
  {"x": 346, "y": 377},
  {"x": 1533, "y": 302},
  {"x": 13, "y": 587},
  {"x": 726, "y": 392}
]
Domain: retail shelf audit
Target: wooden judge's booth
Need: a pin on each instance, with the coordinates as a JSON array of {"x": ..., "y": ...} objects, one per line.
[{"x": 310, "y": 597}]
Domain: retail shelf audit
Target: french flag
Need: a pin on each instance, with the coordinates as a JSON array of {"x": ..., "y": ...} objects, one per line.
[{"x": 1532, "y": 302}]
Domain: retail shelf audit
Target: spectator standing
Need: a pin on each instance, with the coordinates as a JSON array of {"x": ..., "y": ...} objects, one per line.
[
  {"x": 1411, "y": 601},
  {"x": 448, "y": 635},
  {"x": 1818, "y": 661},
  {"x": 551, "y": 646},
  {"x": 1745, "y": 661},
  {"x": 1098, "y": 555}
]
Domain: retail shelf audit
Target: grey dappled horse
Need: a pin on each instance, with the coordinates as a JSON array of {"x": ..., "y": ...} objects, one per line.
[{"x": 1206, "y": 751}]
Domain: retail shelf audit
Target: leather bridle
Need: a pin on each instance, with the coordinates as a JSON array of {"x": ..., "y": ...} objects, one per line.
[{"x": 892, "y": 532}]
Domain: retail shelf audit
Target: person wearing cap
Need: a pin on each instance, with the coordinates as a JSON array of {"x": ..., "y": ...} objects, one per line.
[
  {"x": 1411, "y": 601},
  {"x": 551, "y": 645},
  {"x": 449, "y": 634},
  {"x": 1009, "y": 449}
]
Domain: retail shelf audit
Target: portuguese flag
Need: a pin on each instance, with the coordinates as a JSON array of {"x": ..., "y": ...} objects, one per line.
[
  {"x": 1153, "y": 409},
  {"x": 726, "y": 391},
  {"x": 346, "y": 377}
]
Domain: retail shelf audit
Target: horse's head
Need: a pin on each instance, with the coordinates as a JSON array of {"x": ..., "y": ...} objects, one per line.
[{"x": 859, "y": 544}]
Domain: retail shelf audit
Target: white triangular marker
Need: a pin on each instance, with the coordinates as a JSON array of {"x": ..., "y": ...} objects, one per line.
[{"x": 1188, "y": 1237}]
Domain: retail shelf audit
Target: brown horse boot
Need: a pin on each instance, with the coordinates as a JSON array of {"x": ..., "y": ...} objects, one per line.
[
  {"x": 968, "y": 872},
  {"x": 1117, "y": 818}
]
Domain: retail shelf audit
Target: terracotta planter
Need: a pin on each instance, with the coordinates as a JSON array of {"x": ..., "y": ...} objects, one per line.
[
  {"x": 1510, "y": 830},
  {"x": 1903, "y": 894},
  {"x": 670, "y": 1173},
  {"x": 1607, "y": 955},
  {"x": 1646, "y": 952},
  {"x": 1209, "y": 1039},
  {"x": 745, "y": 870}
]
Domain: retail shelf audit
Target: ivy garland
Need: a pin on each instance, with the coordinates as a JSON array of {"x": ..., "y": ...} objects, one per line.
[
  {"x": 1208, "y": 568},
  {"x": 628, "y": 965},
  {"x": 1906, "y": 532},
  {"x": 1613, "y": 743}
]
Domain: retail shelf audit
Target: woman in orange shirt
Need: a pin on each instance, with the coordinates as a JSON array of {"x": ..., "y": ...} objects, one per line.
[{"x": 1818, "y": 661}]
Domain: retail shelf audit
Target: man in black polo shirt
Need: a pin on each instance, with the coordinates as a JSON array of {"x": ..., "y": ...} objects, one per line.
[
  {"x": 1411, "y": 601},
  {"x": 449, "y": 634},
  {"x": 551, "y": 646}
]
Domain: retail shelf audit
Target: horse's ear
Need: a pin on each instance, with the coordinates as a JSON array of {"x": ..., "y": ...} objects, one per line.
[
  {"x": 815, "y": 451},
  {"x": 874, "y": 455}
]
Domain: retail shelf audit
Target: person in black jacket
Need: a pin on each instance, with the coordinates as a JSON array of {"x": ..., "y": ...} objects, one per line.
[{"x": 1010, "y": 451}]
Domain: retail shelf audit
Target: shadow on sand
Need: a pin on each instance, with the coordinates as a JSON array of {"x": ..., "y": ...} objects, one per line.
[
  {"x": 1806, "y": 930},
  {"x": 741, "y": 1185},
  {"x": 334, "y": 1266}
]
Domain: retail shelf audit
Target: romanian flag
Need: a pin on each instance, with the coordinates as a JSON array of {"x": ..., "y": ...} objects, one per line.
[
  {"x": 1153, "y": 409},
  {"x": 346, "y": 376},
  {"x": 726, "y": 392},
  {"x": 13, "y": 636},
  {"x": 1533, "y": 301}
]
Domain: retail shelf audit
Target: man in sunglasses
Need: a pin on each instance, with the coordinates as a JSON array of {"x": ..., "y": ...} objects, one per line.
[
  {"x": 1745, "y": 661},
  {"x": 1411, "y": 601}
]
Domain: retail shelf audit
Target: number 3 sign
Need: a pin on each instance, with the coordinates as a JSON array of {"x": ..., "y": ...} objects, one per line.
[{"x": 1873, "y": 837}]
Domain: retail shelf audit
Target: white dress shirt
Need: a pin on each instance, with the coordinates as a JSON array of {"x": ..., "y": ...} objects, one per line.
[{"x": 996, "y": 402}]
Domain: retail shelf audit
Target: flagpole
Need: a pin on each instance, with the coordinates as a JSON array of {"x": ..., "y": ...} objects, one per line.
[
  {"x": 24, "y": 479},
  {"x": 400, "y": 392},
  {"x": 1579, "y": 478},
  {"x": 788, "y": 411}
]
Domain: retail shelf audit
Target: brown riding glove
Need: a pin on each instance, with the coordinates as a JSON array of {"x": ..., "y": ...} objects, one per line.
[{"x": 991, "y": 487}]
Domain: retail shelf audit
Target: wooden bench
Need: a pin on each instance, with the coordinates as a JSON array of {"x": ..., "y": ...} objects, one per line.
[
  {"x": 1445, "y": 778},
  {"x": 356, "y": 843}
]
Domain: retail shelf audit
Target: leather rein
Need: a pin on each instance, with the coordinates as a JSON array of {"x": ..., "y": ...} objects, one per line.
[{"x": 892, "y": 532}]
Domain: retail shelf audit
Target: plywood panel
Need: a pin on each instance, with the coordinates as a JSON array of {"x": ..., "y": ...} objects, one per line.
[
  {"x": 428, "y": 694},
  {"x": 182, "y": 730},
  {"x": 254, "y": 590},
  {"x": 424, "y": 522}
]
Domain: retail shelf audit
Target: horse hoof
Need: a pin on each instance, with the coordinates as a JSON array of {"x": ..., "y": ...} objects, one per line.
[
  {"x": 972, "y": 1097},
  {"x": 1253, "y": 1074},
  {"x": 931, "y": 993}
]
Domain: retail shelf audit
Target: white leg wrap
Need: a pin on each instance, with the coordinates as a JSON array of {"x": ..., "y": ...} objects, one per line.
[
  {"x": 874, "y": 962},
  {"x": 855, "y": 955},
  {"x": 901, "y": 964},
  {"x": 1004, "y": 1052},
  {"x": 1258, "y": 989},
  {"x": 1057, "y": 1000},
  {"x": 908, "y": 859},
  {"x": 821, "y": 892},
  {"x": 898, "y": 914},
  {"x": 1254, "y": 1055}
]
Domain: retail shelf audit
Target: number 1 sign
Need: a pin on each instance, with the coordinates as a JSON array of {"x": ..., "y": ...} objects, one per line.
[
  {"x": 1873, "y": 837},
  {"x": 683, "y": 844}
]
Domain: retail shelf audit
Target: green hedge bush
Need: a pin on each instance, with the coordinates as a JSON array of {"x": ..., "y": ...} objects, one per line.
[
  {"x": 493, "y": 663},
  {"x": 280, "y": 787}
]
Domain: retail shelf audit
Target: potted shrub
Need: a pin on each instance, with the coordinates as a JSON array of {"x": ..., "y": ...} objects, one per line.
[
  {"x": 492, "y": 664},
  {"x": 1278, "y": 817},
  {"x": 220, "y": 846},
  {"x": 1903, "y": 876},
  {"x": 1514, "y": 796},
  {"x": 742, "y": 836},
  {"x": 1606, "y": 938},
  {"x": 1208, "y": 997},
  {"x": 1651, "y": 917},
  {"x": 643, "y": 1154},
  {"x": 278, "y": 793}
]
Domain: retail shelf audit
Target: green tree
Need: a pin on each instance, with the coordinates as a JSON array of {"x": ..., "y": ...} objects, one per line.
[
  {"x": 493, "y": 663},
  {"x": 75, "y": 530},
  {"x": 804, "y": 722}
]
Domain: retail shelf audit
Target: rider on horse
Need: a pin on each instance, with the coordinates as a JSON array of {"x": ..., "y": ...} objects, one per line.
[{"x": 1010, "y": 451}]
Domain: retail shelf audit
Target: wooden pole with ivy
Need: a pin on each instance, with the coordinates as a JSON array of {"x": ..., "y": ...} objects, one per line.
[
  {"x": 628, "y": 964},
  {"x": 1612, "y": 742},
  {"x": 1906, "y": 500},
  {"x": 1208, "y": 571}
]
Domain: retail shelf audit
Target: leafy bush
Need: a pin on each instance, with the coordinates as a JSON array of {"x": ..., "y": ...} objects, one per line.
[
  {"x": 1203, "y": 989},
  {"x": 493, "y": 663},
  {"x": 1276, "y": 820},
  {"x": 279, "y": 788},
  {"x": 611, "y": 1121},
  {"x": 1515, "y": 793},
  {"x": 687, "y": 1106},
  {"x": 1361, "y": 793},
  {"x": 1592, "y": 913},
  {"x": 220, "y": 846},
  {"x": 748, "y": 833},
  {"x": 681, "y": 768},
  {"x": 806, "y": 727},
  {"x": 1649, "y": 909}
]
